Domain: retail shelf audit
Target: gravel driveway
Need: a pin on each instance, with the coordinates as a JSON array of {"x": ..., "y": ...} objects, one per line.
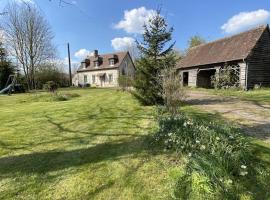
[{"x": 254, "y": 118}]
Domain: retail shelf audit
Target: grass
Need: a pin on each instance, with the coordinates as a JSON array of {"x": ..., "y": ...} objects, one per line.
[
  {"x": 257, "y": 185},
  {"x": 93, "y": 146},
  {"x": 257, "y": 96}
]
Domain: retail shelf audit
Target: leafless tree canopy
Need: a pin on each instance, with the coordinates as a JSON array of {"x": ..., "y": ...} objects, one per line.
[
  {"x": 173, "y": 91},
  {"x": 29, "y": 38}
]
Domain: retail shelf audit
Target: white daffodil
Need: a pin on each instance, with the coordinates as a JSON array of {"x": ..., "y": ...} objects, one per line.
[
  {"x": 202, "y": 147},
  {"x": 243, "y": 166},
  {"x": 243, "y": 173}
]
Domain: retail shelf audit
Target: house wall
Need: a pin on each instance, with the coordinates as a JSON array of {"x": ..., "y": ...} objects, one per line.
[
  {"x": 192, "y": 76},
  {"x": 97, "y": 82},
  {"x": 127, "y": 67},
  {"x": 242, "y": 77},
  {"x": 196, "y": 80},
  {"x": 259, "y": 62}
]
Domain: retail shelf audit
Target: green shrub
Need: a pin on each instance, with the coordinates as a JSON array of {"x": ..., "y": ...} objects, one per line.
[
  {"x": 125, "y": 82},
  {"x": 218, "y": 155},
  {"x": 227, "y": 77},
  {"x": 50, "y": 86},
  {"x": 51, "y": 97}
]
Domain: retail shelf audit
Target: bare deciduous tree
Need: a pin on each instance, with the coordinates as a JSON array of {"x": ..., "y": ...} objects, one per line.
[
  {"x": 173, "y": 92},
  {"x": 29, "y": 38}
]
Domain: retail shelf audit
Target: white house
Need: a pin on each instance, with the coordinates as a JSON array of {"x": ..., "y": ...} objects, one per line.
[{"x": 104, "y": 70}]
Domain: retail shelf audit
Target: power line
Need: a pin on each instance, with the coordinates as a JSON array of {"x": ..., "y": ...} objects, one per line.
[{"x": 63, "y": 3}]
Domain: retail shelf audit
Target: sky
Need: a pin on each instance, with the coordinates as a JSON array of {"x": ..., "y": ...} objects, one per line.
[{"x": 113, "y": 25}]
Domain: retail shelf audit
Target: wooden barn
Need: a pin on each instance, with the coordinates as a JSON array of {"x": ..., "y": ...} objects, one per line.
[{"x": 249, "y": 52}]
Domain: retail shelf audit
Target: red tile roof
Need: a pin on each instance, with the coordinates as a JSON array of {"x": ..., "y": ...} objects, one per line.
[
  {"x": 232, "y": 48},
  {"x": 104, "y": 61}
]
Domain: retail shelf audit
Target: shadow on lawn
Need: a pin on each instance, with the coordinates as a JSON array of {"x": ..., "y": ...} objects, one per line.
[
  {"x": 130, "y": 142},
  {"x": 57, "y": 160},
  {"x": 258, "y": 182},
  {"x": 127, "y": 125}
]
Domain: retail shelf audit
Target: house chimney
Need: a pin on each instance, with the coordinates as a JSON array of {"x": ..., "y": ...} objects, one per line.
[{"x": 96, "y": 53}]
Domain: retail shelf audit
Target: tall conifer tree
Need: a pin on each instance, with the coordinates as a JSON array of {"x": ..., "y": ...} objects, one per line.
[{"x": 156, "y": 55}]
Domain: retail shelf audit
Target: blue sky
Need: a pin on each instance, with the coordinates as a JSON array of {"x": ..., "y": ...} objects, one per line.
[{"x": 89, "y": 24}]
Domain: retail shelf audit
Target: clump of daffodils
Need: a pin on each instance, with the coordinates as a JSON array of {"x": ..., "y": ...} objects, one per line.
[
  {"x": 205, "y": 144},
  {"x": 243, "y": 171}
]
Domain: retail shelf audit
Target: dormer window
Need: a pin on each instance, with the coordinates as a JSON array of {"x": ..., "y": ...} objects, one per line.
[
  {"x": 87, "y": 63},
  {"x": 111, "y": 62},
  {"x": 96, "y": 63},
  {"x": 83, "y": 65}
]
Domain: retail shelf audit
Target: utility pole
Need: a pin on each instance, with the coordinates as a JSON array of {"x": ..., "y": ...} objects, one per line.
[{"x": 69, "y": 65}]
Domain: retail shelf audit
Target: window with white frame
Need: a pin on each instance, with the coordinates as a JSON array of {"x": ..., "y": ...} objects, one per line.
[
  {"x": 85, "y": 79},
  {"x": 110, "y": 78},
  {"x": 93, "y": 79},
  {"x": 111, "y": 62},
  {"x": 96, "y": 63},
  {"x": 83, "y": 65}
]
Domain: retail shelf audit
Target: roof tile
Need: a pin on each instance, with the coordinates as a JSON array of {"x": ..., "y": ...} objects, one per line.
[
  {"x": 104, "y": 64},
  {"x": 232, "y": 48}
]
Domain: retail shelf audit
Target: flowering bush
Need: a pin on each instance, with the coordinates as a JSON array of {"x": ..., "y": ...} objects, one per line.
[{"x": 216, "y": 151}]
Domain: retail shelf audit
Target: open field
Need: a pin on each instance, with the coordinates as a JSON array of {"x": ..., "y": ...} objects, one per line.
[{"x": 92, "y": 146}]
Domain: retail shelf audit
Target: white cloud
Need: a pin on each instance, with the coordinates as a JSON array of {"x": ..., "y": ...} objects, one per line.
[
  {"x": 134, "y": 20},
  {"x": 25, "y": 1},
  {"x": 124, "y": 43},
  {"x": 82, "y": 53},
  {"x": 246, "y": 20}
]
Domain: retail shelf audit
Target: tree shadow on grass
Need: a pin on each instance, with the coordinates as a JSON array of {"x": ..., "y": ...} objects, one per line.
[
  {"x": 100, "y": 189},
  {"x": 43, "y": 162},
  {"x": 258, "y": 182}
]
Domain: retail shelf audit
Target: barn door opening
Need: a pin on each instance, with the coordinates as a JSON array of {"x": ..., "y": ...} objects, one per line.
[
  {"x": 204, "y": 78},
  {"x": 185, "y": 78}
]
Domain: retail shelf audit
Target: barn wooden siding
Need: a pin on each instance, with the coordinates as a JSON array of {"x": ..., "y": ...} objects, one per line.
[
  {"x": 192, "y": 79},
  {"x": 258, "y": 63},
  {"x": 242, "y": 77}
]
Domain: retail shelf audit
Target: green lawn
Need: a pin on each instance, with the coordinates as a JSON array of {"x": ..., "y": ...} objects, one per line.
[
  {"x": 90, "y": 147},
  {"x": 257, "y": 96},
  {"x": 94, "y": 146}
]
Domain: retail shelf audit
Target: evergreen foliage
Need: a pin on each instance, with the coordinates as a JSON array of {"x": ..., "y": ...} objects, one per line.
[
  {"x": 156, "y": 55},
  {"x": 6, "y": 68}
]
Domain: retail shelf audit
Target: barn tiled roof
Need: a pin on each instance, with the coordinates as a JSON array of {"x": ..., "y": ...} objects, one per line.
[
  {"x": 103, "y": 61},
  {"x": 232, "y": 48}
]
